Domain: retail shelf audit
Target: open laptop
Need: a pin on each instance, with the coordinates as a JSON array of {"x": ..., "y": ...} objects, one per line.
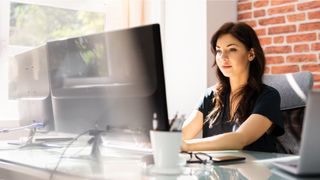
[{"x": 309, "y": 161}]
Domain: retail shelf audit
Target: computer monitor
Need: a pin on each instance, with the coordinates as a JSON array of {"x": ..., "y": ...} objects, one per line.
[
  {"x": 29, "y": 85},
  {"x": 110, "y": 80}
]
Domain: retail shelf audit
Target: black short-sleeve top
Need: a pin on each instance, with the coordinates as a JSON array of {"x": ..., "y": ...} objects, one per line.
[{"x": 267, "y": 104}]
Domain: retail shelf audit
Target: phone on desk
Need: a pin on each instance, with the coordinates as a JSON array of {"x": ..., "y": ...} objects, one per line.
[
  {"x": 148, "y": 159},
  {"x": 227, "y": 158}
]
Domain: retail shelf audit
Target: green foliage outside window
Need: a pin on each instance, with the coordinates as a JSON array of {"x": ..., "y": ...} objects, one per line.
[{"x": 32, "y": 25}]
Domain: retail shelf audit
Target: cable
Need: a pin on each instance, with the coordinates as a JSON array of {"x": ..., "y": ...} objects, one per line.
[
  {"x": 64, "y": 151},
  {"x": 33, "y": 125}
]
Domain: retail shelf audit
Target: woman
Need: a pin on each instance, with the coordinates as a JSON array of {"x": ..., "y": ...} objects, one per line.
[{"x": 239, "y": 112}]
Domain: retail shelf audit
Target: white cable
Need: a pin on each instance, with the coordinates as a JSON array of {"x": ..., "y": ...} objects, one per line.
[{"x": 33, "y": 125}]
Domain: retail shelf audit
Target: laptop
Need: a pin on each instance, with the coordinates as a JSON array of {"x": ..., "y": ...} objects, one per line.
[{"x": 309, "y": 161}]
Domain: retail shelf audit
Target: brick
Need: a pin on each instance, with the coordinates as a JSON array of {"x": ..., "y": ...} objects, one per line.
[
  {"x": 311, "y": 67},
  {"x": 278, "y": 39},
  {"x": 252, "y": 23},
  {"x": 309, "y": 26},
  {"x": 274, "y": 59},
  {"x": 284, "y": 69},
  {"x": 259, "y": 13},
  {"x": 273, "y": 20},
  {"x": 301, "y": 37},
  {"x": 309, "y": 5},
  {"x": 315, "y": 47},
  {"x": 278, "y": 2},
  {"x": 301, "y": 48},
  {"x": 282, "y": 29},
  {"x": 316, "y": 77},
  {"x": 277, "y": 49},
  {"x": 267, "y": 70},
  {"x": 296, "y": 17},
  {"x": 316, "y": 86},
  {"x": 261, "y": 3},
  {"x": 261, "y": 32},
  {"x": 302, "y": 58},
  {"x": 244, "y": 16},
  {"x": 281, "y": 10},
  {"x": 314, "y": 15},
  {"x": 244, "y": 6},
  {"x": 265, "y": 41}
]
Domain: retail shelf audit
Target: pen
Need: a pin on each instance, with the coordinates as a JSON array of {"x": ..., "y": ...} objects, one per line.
[
  {"x": 155, "y": 121},
  {"x": 176, "y": 123}
]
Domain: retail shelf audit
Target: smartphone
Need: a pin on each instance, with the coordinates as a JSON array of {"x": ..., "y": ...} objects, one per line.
[{"x": 228, "y": 158}]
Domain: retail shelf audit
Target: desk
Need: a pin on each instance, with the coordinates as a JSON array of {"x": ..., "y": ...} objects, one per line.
[{"x": 37, "y": 163}]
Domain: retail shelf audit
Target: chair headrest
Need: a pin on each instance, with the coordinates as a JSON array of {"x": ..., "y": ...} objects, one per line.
[{"x": 293, "y": 88}]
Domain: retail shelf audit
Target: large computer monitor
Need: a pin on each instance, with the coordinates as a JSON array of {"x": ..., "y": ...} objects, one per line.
[{"x": 111, "y": 80}]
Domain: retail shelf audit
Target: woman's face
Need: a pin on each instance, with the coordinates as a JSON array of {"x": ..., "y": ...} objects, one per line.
[{"x": 232, "y": 57}]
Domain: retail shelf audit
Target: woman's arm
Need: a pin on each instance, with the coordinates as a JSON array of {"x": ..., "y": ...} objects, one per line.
[
  {"x": 193, "y": 125},
  {"x": 249, "y": 131}
]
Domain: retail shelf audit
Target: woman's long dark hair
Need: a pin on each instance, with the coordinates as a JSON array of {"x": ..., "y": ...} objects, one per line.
[{"x": 248, "y": 93}]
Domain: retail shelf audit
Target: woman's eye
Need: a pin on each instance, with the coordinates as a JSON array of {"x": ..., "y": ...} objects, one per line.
[
  {"x": 233, "y": 49},
  {"x": 218, "y": 51}
]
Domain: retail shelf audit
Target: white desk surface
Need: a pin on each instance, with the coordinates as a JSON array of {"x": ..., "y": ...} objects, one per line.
[{"x": 37, "y": 163}]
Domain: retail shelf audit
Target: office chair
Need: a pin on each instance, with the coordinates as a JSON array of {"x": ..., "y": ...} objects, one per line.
[{"x": 293, "y": 89}]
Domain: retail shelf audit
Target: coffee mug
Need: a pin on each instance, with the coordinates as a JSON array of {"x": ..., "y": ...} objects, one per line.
[{"x": 166, "y": 148}]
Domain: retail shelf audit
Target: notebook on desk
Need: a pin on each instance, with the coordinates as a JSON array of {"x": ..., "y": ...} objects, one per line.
[{"x": 309, "y": 161}]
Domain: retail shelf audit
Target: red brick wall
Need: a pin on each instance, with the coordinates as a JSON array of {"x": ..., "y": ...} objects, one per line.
[{"x": 289, "y": 32}]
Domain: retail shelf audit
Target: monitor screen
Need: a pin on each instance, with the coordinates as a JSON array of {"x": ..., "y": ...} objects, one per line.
[{"x": 110, "y": 80}]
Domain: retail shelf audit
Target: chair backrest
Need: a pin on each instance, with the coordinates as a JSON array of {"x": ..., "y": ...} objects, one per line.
[{"x": 293, "y": 89}]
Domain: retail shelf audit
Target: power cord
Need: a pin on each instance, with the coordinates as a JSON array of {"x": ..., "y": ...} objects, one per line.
[{"x": 64, "y": 151}]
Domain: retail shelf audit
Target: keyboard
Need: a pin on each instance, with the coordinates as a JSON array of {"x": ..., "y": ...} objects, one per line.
[
  {"x": 129, "y": 146},
  {"x": 134, "y": 143},
  {"x": 52, "y": 139}
]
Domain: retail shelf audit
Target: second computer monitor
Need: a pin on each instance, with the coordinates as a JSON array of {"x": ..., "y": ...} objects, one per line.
[{"x": 111, "y": 80}]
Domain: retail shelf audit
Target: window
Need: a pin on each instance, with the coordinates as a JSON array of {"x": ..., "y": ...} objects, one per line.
[{"x": 29, "y": 23}]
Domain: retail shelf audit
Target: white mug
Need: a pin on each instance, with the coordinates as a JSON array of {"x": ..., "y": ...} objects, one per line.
[{"x": 166, "y": 148}]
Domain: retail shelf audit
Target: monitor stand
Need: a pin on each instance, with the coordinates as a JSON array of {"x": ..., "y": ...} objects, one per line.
[
  {"x": 94, "y": 157},
  {"x": 95, "y": 141},
  {"x": 29, "y": 143}
]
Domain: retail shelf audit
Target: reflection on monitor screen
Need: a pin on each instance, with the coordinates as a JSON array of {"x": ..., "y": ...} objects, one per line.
[{"x": 112, "y": 79}]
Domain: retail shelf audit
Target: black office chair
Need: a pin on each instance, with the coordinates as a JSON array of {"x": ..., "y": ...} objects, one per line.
[{"x": 293, "y": 89}]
